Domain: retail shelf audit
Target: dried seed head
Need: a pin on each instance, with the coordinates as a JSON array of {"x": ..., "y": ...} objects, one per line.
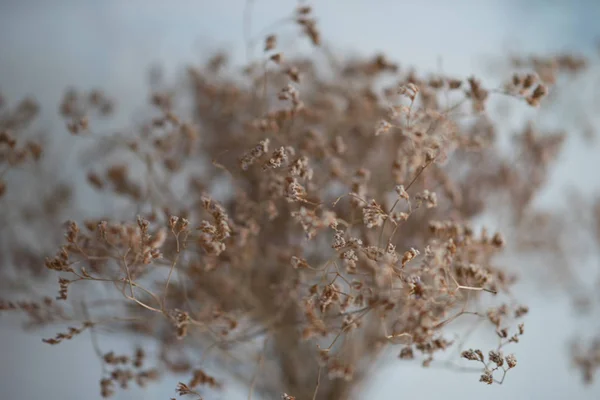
[
  {"x": 373, "y": 215},
  {"x": 511, "y": 361},
  {"x": 539, "y": 92},
  {"x": 409, "y": 255},
  {"x": 277, "y": 58},
  {"x": 409, "y": 90},
  {"x": 487, "y": 377},
  {"x": 270, "y": 42},
  {"x": 496, "y": 357},
  {"x": 257, "y": 152},
  {"x": 382, "y": 127},
  {"x": 402, "y": 192}
]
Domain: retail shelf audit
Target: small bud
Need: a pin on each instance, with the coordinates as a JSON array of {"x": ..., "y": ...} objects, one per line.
[
  {"x": 511, "y": 361},
  {"x": 270, "y": 42},
  {"x": 402, "y": 192},
  {"x": 173, "y": 221},
  {"x": 277, "y": 58}
]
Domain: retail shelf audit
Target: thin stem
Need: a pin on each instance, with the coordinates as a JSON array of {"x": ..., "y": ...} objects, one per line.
[{"x": 318, "y": 383}]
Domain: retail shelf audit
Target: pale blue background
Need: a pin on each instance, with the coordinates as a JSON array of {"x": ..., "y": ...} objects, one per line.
[{"x": 46, "y": 45}]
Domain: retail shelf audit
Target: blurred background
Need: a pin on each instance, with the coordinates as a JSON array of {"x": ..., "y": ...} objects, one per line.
[{"x": 46, "y": 46}]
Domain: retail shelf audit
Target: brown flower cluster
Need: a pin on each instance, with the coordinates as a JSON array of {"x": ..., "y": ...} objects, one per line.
[
  {"x": 310, "y": 217},
  {"x": 14, "y": 149}
]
